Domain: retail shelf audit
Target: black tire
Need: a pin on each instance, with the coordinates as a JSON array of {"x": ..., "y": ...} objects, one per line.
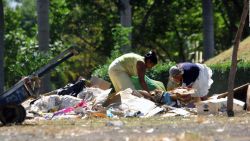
[
  {"x": 12, "y": 114},
  {"x": 22, "y": 113}
]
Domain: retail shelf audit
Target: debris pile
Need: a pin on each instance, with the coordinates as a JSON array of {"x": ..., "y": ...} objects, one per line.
[{"x": 95, "y": 99}]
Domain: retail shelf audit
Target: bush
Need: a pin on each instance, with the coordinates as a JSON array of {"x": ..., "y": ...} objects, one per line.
[
  {"x": 160, "y": 72},
  {"x": 221, "y": 74}
]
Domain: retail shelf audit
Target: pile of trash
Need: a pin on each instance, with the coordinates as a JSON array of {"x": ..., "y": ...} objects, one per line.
[{"x": 95, "y": 99}]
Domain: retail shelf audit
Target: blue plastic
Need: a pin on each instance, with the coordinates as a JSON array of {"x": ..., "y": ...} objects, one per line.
[
  {"x": 109, "y": 113},
  {"x": 166, "y": 98}
]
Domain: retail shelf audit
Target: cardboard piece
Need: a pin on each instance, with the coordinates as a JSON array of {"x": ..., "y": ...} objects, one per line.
[
  {"x": 99, "y": 83},
  {"x": 134, "y": 103},
  {"x": 214, "y": 106},
  {"x": 154, "y": 111}
]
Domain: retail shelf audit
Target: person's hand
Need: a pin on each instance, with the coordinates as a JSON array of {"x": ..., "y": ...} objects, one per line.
[
  {"x": 186, "y": 87},
  {"x": 184, "y": 98},
  {"x": 158, "y": 91}
]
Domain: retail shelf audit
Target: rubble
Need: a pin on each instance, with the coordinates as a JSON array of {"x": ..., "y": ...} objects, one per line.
[
  {"x": 214, "y": 106},
  {"x": 101, "y": 103}
]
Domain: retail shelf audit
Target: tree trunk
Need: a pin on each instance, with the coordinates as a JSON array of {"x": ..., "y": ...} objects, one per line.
[
  {"x": 232, "y": 73},
  {"x": 125, "y": 19},
  {"x": 43, "y": 37},
  {"x": 182, "y": 57},
  {"x": 208, "y": 29},
  {"x": 1, "y": 47}
]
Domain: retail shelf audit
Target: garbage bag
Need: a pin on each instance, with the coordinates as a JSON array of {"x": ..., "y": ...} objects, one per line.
[
  {"x": 69, "y": 101},
  {"x": 72, "y": 89},
  {"x": 54, "y": 103},
  {"x": 97, "y": 94},
  {"x": 46, "y": 104}
]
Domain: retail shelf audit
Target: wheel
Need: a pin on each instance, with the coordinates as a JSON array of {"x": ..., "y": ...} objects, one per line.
[
  {"x": 12, "y": 114},
  {"x": 22, "y": 112}
]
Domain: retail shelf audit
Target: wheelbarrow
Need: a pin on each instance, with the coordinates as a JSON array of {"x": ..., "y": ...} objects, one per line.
[{"x": 11, "y": 110}]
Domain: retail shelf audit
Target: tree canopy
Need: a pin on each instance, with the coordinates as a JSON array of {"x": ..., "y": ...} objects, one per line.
[{"x": 173, "y": 28}]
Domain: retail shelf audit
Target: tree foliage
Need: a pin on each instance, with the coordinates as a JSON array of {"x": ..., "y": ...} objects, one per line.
[{"x": 173, "y": 28}]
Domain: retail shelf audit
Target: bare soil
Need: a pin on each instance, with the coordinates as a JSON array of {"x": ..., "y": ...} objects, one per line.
[{"x": 195, "y": 128}]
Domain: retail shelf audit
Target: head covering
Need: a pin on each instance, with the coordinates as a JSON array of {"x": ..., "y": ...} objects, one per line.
[{"x": 174, "y": 70}]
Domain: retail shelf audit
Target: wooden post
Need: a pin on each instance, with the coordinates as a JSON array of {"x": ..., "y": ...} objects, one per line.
[{"x": 232, "y": 73}]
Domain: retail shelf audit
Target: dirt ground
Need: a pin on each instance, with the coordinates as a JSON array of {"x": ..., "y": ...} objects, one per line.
[{"x": 196, "y": 128}]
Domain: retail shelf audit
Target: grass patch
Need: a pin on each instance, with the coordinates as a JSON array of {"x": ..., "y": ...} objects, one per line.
[{"x": 224, "y": 57}]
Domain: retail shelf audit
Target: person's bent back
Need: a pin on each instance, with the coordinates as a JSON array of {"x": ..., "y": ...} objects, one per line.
[{"x": 130, "y": 64}]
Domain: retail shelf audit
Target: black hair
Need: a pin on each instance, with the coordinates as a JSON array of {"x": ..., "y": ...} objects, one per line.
[{"x": 151, "y": 55}]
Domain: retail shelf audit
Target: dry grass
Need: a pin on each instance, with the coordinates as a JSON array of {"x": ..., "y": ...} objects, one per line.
[
  {"x": 243, "y": 53},
  {"x": 196, "y": 128}
]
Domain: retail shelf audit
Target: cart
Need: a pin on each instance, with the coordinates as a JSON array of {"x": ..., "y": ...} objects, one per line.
[{"x": 11, "y": 110}]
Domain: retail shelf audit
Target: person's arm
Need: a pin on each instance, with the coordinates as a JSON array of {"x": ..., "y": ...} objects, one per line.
[
  {"x": 146, "y": 95},
  {"x": 180, "y": 97},
  {"x": 141, "y": 70}
]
